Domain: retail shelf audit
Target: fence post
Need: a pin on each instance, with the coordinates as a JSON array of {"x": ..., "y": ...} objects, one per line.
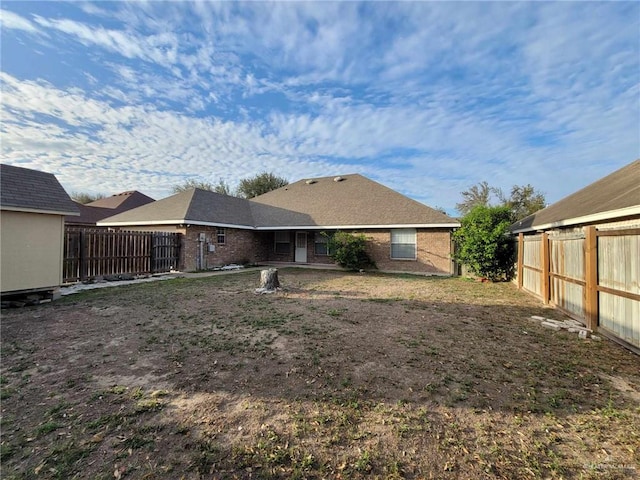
[
  {"x": 545, "y": 267},
  {"x": 520, "y": 272},
  {"x": 591, "y": 278},
  {"x": 82, "y": 257}
]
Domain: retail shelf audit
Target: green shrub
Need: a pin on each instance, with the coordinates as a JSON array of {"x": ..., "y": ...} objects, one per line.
[
  {"x": 349, "y": 251},
  {"x": 483, "y": 242}
]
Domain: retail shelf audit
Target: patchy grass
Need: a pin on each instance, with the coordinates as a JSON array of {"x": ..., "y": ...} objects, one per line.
[{"x": 336, "y": 376}]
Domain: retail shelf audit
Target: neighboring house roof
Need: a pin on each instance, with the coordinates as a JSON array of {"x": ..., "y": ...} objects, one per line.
[
  {"x": 26, "y": 190},
  {"x": 122, "y": 201},
  {"x": 95, "y": 211},
  {"x": 615, "y": 196},
  {"x": 351, "y": 202}
]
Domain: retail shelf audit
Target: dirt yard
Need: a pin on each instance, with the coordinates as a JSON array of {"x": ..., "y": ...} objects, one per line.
[{"x": 336, "y": 376}]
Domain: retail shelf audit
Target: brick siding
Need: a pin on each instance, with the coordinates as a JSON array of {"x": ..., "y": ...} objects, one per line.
[
  {"x": 433, "y": 249},
  {"x": 433, "y": 252},
  {"x": 240, "y": 246}
]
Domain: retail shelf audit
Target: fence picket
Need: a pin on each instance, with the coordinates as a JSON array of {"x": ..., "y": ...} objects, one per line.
[{"x": 91, "y": 253}]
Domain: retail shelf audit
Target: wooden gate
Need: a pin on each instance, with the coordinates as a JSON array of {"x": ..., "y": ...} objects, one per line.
[{"x": 93, "y": 253}]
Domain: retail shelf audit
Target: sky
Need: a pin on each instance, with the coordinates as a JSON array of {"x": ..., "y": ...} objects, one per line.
[{"x": 427, "y": 98}]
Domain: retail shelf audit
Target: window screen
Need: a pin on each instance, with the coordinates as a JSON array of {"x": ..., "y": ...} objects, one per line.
[{"x": 403, "y": 243}]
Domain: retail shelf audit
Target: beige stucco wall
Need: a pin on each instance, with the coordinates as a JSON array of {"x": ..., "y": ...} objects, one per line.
[{"x": 31, "y": 250}]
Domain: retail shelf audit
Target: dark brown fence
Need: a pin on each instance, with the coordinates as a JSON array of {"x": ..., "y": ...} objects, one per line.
[{"x": 93, "y": 253}]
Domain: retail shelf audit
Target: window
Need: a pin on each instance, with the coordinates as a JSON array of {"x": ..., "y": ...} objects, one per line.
[
  {"x": 283, "y": 242},
  {"x": 321, "y": 244},
  {"x": 222, "y": 236},
  {"x": 403, "y": 244}
]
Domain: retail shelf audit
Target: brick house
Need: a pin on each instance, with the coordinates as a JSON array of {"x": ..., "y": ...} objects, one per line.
[{"x": 288, "y": 225}]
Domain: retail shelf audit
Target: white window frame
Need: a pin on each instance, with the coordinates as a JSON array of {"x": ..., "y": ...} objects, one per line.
[
  {"x": 403, "y": 237},
  {"x": 324, "y": 240},
  {"x": 221, "y": 232}
]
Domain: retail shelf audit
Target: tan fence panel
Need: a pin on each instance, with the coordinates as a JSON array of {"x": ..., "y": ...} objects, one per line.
[
  {"x": 532, "y": 264},
  {"x": 621, "y": 316},
  {"x": 568, "y": 274},
  {"x": 618, "y": 264},
  {"x": 619, "y": 269}
]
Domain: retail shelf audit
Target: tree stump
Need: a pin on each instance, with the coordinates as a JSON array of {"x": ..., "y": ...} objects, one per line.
[{"x": 269, "y": 280}]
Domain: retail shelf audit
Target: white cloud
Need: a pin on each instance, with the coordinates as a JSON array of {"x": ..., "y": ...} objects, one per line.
[
  {"x": 429, "y": 98},
  {"x": 10, "y": 20}
]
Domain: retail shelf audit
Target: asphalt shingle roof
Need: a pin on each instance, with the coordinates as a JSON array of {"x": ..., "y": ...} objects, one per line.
[
  {"x": 95, "y": 211},
  {"x": 321, "y": 202},
  {"x": 191, "y": 206},
  {"x": 32, "y": 190},
  {"x": 617, "y": 191},
  {"x": 345, "y": 201},
  {"x": 122, "y": 201}
]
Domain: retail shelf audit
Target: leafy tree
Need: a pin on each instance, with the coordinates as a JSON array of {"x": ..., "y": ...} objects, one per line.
[
  {"x": 84, "y": 197},
  {"x": 483, "y": 242},
  {"x": 261, "y": 183},
  {"x": 349, "y": 250},
  {"x": 476, "y": 195},
  {"x": 523, "y": 201},
  {"x": 223, "y": 188},
  {"x": 192, "y": 183}
]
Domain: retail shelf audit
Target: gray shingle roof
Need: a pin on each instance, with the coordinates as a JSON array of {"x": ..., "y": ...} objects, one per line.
[
  {"x": 354, "y": 201},
  {"x": 32, "y": 190},
  {"x": 191, "y": 206},
  {"x": 614, "y": 194}
]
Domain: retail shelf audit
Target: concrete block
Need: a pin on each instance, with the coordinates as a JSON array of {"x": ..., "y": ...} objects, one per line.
[
  {"x": 536, "y": 317},
  {"x": 555, "y": 322},
  {"x": 550, "y": 325}
]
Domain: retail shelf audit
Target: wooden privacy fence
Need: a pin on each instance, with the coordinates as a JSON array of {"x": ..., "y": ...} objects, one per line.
[
  {"x": 593, "y": 276},
  {"x": 92, "y": 253}
]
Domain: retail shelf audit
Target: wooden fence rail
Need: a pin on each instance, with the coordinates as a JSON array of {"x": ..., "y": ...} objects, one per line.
[
  {"x": 93, "y": 253},
  {"x": 593, "y": 276}
]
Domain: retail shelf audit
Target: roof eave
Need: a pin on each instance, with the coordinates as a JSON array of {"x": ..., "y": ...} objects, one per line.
[
  {"x": 595, "y": 217},
  {"x": 360, "y": 227},
  {"x": 173, "y": 222},
  {"x": 272, "y": 227},
  {"x": 39, "y": 210}
]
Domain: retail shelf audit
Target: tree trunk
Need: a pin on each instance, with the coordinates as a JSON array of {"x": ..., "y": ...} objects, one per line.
[{"x": 269, "y": 279}]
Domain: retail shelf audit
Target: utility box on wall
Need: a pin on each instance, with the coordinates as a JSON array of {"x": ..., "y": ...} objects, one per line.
[{"x": 212, "y": 247}]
